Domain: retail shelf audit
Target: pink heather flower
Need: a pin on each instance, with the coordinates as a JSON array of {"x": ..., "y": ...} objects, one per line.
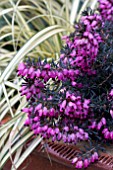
[
  {"x": 44, "y": 128},
  {"x": 71, "y": 104},
  {"x": 47, "y": 66},
  {"x": 68, "y": 95},
  {"x": 28, "y": 95},
  {"x": 111, "y": 93},
  {"x": 111, "y": 135},
  {"x": 71, "y": 72},
  {"x": 73, "y": 53},
  {"x": 36, "y": 119},
  {"x": 62, "y": 105},
  {"x": 39, "y": 130},
  {"x": 52, "y": 112},
  {"x": 52, "y": 132},
  {"x": 105, "y": 130},
  {"x": 32, "y": 75},
  {"x": 60, "y": 76},
  {"x": 107, "y": 135},
  {"x": 64, "y": 37},
  {"x": 43, "y": 73},
  {"x": 111, "y": 113},
  {"x": 24, "y": 72},
  {"x": 23, "y": 88},
  {"x": 72, "y": 137},
  {"x": 77, "y": 72},
  {"x": 40, "y": 112},
  {"x": 93, "y": 126},
  {"x": 65, "y": 72},
  {"x": 74, "y": 83},
  {"x": 49, "y": 130},
  {"x": 78, "y": 135},
  {"x": 75, "y": 127},
  {"x": 66, "y": 128},
  {"x": 64, "y": 138},
  {"x": 95, "y": 155},
  {"x": 52, "y": 74},
  {"x": 73, "y": 98},
  {"x": 21, "y": 66},
  {"x": 86, "y": 136},
  {"x": 103, "y": 120},
  {"x": 59, "y": 136},
  {"x": 53, "y": 138},
  {"x": 79, "y": 164},
  {"x": 26, "y": 110},
  {"x": 62, "y": 56},
  {"x": 31, "y": 70},
  {"x": 38, "y": 73},
  {"x": 50, "y": 98},
  {"x": 86, "y": 163},
  {"x": 38, "y": 107},
  {"x": 99, "y": 125},
  {"x": 81, "y": 131},
  {"x": 106, "y": 9},
  {"x": 92, "y": 158},
  {"x": 57, "y": 130},
  {"x": 86, "y": 103},
  {"x": 64, "y": 113},
  {"x": 45, "y": 111},
  {"x": 74, "y": 160},
  {"x": 27, "y": 122}
]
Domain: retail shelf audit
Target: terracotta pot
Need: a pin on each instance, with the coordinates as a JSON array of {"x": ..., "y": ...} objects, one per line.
[
  {"x": 58, "y": 156},
  {"x": 63, "y": 154}
]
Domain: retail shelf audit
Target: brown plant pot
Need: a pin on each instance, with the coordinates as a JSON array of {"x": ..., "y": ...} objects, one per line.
[
  {"x": 58, "y": 156},
  {"x": 64, "y": 153}
]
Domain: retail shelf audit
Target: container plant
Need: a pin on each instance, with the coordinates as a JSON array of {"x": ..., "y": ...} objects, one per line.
[
  {"x": 27, "y": 29},
  {"x": 71, "y": 99}
]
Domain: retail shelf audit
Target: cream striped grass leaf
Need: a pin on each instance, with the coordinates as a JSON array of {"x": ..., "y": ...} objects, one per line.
[
  {"x": 9, "y": 124},
  {"x": 27, "y": 152},
  {"x": 93, "y": 4},
  {"x": 7, "y": 99},
  {"x": 17, "y": 155},
  {"x": 84, "y": 6},
  {"x": 12, "y": 85},
  {"x": 12, "y": 102},
  {"x": 30, "y": 45},
  {"x": 15, "y": 147},
  {"x": 74, "y": 10},
  {"x": 13, "y": 20},
  {"x": 15, "y": 134},
  {"x": 2, "y": 102},
  {"x": 20, "y": 8}
]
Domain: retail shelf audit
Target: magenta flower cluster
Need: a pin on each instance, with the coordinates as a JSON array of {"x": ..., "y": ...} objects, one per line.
[
  {"x": 71, "y": 100},
  {"x": 85, "y": 44},
  {"x": 85, "y": 163},
  {"x": 106, "y": 9},
  {"x": 72, "y": 107}
]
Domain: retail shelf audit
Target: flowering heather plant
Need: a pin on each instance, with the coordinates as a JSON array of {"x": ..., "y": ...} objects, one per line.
[{"x": 71, "y": 100}]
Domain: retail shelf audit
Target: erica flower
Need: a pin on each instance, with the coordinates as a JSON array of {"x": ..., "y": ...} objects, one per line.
[
  {"x": 79, "y": 164},
  {"x": 71, "y": 100},
  {"x": 106, "y": 9}
]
